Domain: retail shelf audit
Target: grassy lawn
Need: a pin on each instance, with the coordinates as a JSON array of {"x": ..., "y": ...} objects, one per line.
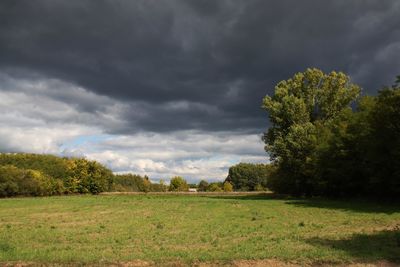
[{"x": 195, "y": 229}]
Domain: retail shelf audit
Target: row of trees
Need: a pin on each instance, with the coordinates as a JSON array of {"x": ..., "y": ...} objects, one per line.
[
  {"x": 46, "y": 175},
  {"x": 204, "y": 186},
  {"x": 326, "y": 140},
  {"x": 15, "y": 181},
  {"x": 136, "y": 183},
  {"x": 179, "y": 184}
]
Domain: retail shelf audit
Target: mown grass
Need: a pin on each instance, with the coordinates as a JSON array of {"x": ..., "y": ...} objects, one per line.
[{"x": 167, "y": 228}]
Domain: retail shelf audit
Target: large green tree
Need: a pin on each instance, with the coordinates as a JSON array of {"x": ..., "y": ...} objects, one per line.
[
  {"x": 299, "y": 110},
  {"x": 249, "y": 176},
  {"x": 361, "y": 155},
  {"x": 384, "y": 149}
]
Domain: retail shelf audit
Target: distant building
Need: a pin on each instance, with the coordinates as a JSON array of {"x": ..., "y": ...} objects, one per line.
[{"x": 192, "y": 189}]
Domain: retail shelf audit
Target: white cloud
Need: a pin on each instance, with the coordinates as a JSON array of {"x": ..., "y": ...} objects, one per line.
[
  {"x": 39, "y": 139},
  {"x": 50, "y": 116},
  {"x": 194, "y": 155}
]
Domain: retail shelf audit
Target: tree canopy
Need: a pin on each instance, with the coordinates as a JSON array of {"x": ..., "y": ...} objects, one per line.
[
  {"x": 177, "y": 183},
  {"x": 323, "y": 146},
  {"x": 45, "y": 175},
  {"x": 248, "y": 176}
]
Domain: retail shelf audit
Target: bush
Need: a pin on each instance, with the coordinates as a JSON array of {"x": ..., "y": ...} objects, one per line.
[
  {"x": 9, "y": 180},
  {"x": 44, "y": 175},
  {"x": 178, "y": 184},
  {"x": 14, "y": 181},
  {"x": 136, "y": 183},
  {"x": 228, "y": 187},
  {"x": 88, "y": 177},
  {"x": 202, "y": 187},
  {"x": 259, "y": 187},
  {"x": 215, "y": 187},
  {"x": 128, "y": 183},
  {"x": 50, "y": 165},
  {"x": 160, "y": 187}
]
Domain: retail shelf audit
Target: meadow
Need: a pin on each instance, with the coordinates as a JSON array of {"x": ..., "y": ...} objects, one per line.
[{"x": 210, "y": 229}]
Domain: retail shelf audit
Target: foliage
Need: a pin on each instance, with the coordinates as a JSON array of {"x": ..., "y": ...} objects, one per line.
[
  {"x": 15, "y": 181},
  {"x": 259, "y": 187},
  {"x": 88, "y": 177},
  {"x": 146, "y": 184},
  {"x": 10, "y": 178},
  {"x": 128, "y": 183},
  {"x": 40, "y": 175},
  {"x": 228, "y": 187},
  {"x": 178, "y": 184},
  {"x": 215, "y": 187},
  {"x": 136, "y": 183},
  {"x": 347, "y": 153},
  {"x": 192, "y": 185},
  {"x": 50, "y": 165},
  {"x": 361, "y": 154},
  {"x": 160, "y": 187},
  {"x": 247, "y": 176},
  {"x": 298, "y": 111},
  {"x": 384, "y": 151},
  {"x": 202, "y": 186}
]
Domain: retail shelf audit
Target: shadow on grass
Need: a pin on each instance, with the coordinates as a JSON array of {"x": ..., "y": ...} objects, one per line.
[
  {"x": 355, "y": 205},
  {"x": 384, "y": 245},
  {"x": 253, "y": 196}
]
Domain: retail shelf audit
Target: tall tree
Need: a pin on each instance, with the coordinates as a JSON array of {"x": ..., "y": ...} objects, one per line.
[
  {"x": 385, "y": 148},
  {"x": 298, "y": 111}
]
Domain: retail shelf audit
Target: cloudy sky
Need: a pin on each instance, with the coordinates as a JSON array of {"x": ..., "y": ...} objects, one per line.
[{"x": 170, "y": 87}]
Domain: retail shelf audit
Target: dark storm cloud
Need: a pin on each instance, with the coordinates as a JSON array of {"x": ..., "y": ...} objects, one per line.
[{"x": 195, "y": 64}]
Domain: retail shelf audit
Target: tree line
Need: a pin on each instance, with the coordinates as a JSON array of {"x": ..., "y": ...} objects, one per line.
[
  {"x": 326, "y": 140},
  {"x": 46, "y": 175},
  {"x": 23, "y": 174}
]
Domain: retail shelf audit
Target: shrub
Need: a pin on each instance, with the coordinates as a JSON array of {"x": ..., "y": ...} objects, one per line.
[
  {"x": 43, "y": 175},
  {"x": 128, "y": 183},
  {"x": 228, "y": 187},
  {"x": 88, "y": 177},
  {"x": 259, "y": 187},
  {"x": 15, "y": 181},
  {"x": 215, "y": 187},
  {"x": 178, "y": 184},
  {"x": 202, "y": 187}
]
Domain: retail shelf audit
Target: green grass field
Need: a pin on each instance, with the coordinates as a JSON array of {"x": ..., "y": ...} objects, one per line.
[{"x": 184, "y": 229}]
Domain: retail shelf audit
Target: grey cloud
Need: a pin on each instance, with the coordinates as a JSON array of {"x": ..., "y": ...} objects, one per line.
[
  {"x": 195, "y": 155},
  {"x": 217, "y": 57}
]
